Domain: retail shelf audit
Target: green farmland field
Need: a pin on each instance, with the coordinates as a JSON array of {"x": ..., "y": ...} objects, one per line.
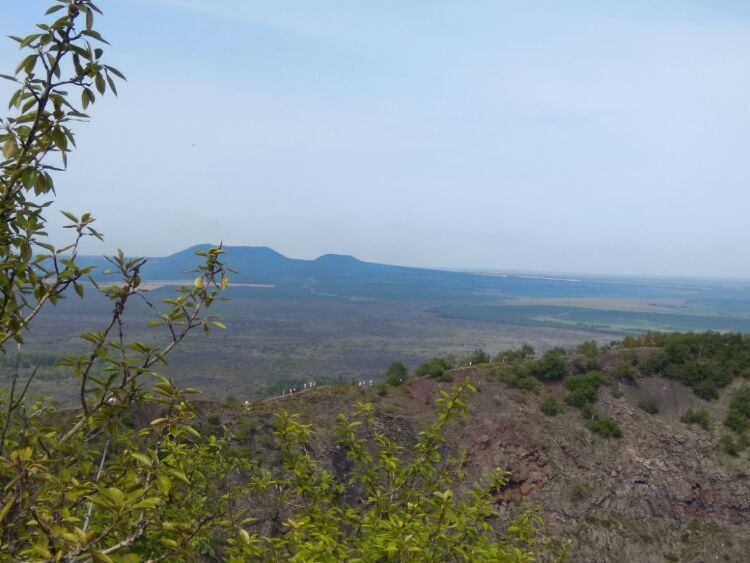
[{"x": 617, "y": 321}]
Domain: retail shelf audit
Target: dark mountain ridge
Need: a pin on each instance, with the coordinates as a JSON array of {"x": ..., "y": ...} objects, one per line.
[{"x": 346, "y": 275}]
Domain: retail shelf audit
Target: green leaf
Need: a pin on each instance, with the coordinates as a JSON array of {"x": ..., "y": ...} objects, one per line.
[
  {"x": 6, "y": 509},
  {"x": 164, "y": 484},
  {"x": 150, "y": 502},
  {"x": 101, "y": 85},
  {"x": 99, "y": 557},
  {"x": 29, "y": 177},
  {"x": 116, "y": 72},
  {"x": 87, "y": 97},
  {"x": 27, "y": 64},
  {"x": 115, "y": 495},
  {"x": 180, "y": 475},
  {"x": 70, "y": 216},
  {"x": 45, "y": 553},
  {"x": 245, "y": 537},
  {"x": 10, "y": 148},
  {"x": 142, "y": 458},
  {"x": 111, "y": 84},
  {"x": 59, "y": 138}
]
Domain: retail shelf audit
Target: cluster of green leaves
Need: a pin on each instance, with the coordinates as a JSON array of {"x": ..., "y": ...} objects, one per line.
[
  {"x": 62, "y": 57},
  {"x": 126, "y": 478},
  {"x": 393, "y": 504}
]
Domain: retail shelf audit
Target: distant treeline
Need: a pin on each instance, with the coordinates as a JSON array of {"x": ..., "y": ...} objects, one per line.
[{"x": 46, "y": 364}]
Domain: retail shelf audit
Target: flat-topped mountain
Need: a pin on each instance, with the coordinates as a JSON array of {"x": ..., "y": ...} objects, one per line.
[
  {"x": 261, "y": 264},
  {"x": 603, "y": 303}
]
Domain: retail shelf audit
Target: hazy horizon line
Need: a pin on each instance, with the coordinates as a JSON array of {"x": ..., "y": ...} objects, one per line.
[{"x": 481, "y": 270}]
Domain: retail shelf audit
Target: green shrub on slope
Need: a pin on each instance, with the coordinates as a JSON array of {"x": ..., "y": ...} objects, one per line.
[
  {"x": 604, "y": 427},
  {"x": 738, "y": 414},
  {"x": 701, "y": 417},
  {"x": 583, "y": 389}
]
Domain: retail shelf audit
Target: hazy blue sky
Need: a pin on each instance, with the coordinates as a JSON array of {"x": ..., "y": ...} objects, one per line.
[{"x": 557, "y": 136}]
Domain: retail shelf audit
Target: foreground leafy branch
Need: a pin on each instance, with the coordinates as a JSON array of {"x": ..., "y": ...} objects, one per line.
[
  {"x": 62, "y": 57},
  {"x": 394, "y": 505}
]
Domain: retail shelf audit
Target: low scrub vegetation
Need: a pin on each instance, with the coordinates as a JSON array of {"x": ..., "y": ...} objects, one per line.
[
  {"x": 550, "y": 406},
  {"x": 734, "y": 444},
  {"x": 738, "y": 421},
  {"x": 478, "y": 356},
  {"x": 700, "y": 417},
  {"x": 706, "y": 362},
  {"x": 551, "y": 366},
  {"x": 738, "y": 414},
  {"x": 579, "y": 493},
  {"x": 604, "y": 427},
  {"x": 649, "y": 405},
  {"x": 525, "y": 352},
  {"x": 518, "y": 376},
  {"x": 436, "y": 367},
  {"x": 583, "y": 389},
  {"x": 397, "y": 374},
  {"x": 625, "y": 371}
]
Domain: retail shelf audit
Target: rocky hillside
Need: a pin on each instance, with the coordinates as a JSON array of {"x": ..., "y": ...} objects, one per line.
[{"x": 663, "y": 491}]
